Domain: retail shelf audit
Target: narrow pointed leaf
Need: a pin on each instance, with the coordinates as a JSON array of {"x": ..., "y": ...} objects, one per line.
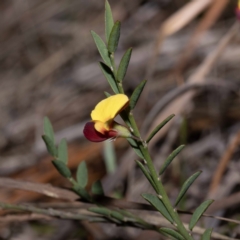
[
  {"x": 158, "y": 204},
  {"x": 107, "y": 213},
  {"x": 62, "y": 168},
  {"x": 123, "y": 66},
  {"x": 82, "y": 193},
  {"x": 207, "y": 234},
  {"x": 172, "y": 233},
  {"x": 199, "y": 212},
  {"x": 63, "y": 151},
  {"x": 48, "y": 129},
  {"x": 170, "y": 158},
  {"x": 97, "y": 188},
  {"x": 50, "y": 145},
  {"x": 135, "y": 147},
  {"x": 100, "y": 210},
  {"x": 107, "y": 94},
  {"x": 114, "y": 37},
  {"x": 109, "y": 76},
  {"x": 130, "y": 217},
  {"x": 186, "y": 186},
  {"x": 159, "y": 127},
  {"x": 136, "y": 94},
  {"x": 82, "y": 175},
  {"x": 146, "y": 173},
  {"x": 117, "y": 216},
  {"x": 108, "y": 20},
  {"x": 101, "y": 48}
]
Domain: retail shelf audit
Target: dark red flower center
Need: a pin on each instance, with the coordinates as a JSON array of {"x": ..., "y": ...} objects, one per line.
[{"x": 93, "y": 135}]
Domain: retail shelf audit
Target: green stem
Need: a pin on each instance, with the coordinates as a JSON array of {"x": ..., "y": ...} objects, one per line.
[
  {"x": 49, "y": 212},
  {"x": 73, "y": 181},
  {"x": 159, "y": 186}
]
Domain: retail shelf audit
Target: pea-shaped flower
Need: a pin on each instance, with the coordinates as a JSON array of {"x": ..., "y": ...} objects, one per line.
[{"x": 103, "y": 126}]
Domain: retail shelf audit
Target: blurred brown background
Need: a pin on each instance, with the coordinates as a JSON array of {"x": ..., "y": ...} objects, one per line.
[{"x": 189, "y": 54}]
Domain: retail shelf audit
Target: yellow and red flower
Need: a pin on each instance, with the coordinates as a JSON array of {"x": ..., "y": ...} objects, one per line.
[{"x": 103, "y": 126}]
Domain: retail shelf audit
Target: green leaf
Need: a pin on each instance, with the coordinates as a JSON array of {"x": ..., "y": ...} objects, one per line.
[
  {"x": 172, "y": 233},
  {"x": 136, "y": 94},
  {"x": 198, "y": 213},
  {"x": 101, "y": 48},
  {"x": 130, "y": 217},
  {"x": 100, "y": 210},
  {"x": 48, "y": 129},
  {"x": 122, "y": 69},
  {"x": 108, "y": 20},
  {"x": 147, "y": 174},
  {"x": 62, "y": 168},
  {"x": 170, "y": 158},
  {"x": 107, "y": 94},
  {"x": 82, "y": 174},
  {"x": 82, "y": 193},
  {"x": 50, "y": 145},
  {"x": 133, "y": 143},
  {"x": 158, "y": 204},
  {"x": 113, "y": 215},
  {"x": 97, "y": 188},
  {"x": 114, "y": 37},
  {"x": 117, "y": 216},
  {"x": 207, "y": 234},
  {"x": 186, "y": 186},
  {"x": 109, "y": 76},
  {"x": 63, "y": 151},
  {"x": 159, "y": 127}
]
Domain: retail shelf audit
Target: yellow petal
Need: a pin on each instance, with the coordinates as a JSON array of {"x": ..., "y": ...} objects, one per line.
[
  {"x": 108, "y": 108},
  {"x": 100, "y": 127}
]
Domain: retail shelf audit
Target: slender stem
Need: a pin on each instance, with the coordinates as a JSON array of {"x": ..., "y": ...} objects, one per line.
[
  {"x": 49, "y": 212},
  {"x": 73, "y": 181},
  {"x": 159, "y": 186},
  {"x": 80, "y": 215}
]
